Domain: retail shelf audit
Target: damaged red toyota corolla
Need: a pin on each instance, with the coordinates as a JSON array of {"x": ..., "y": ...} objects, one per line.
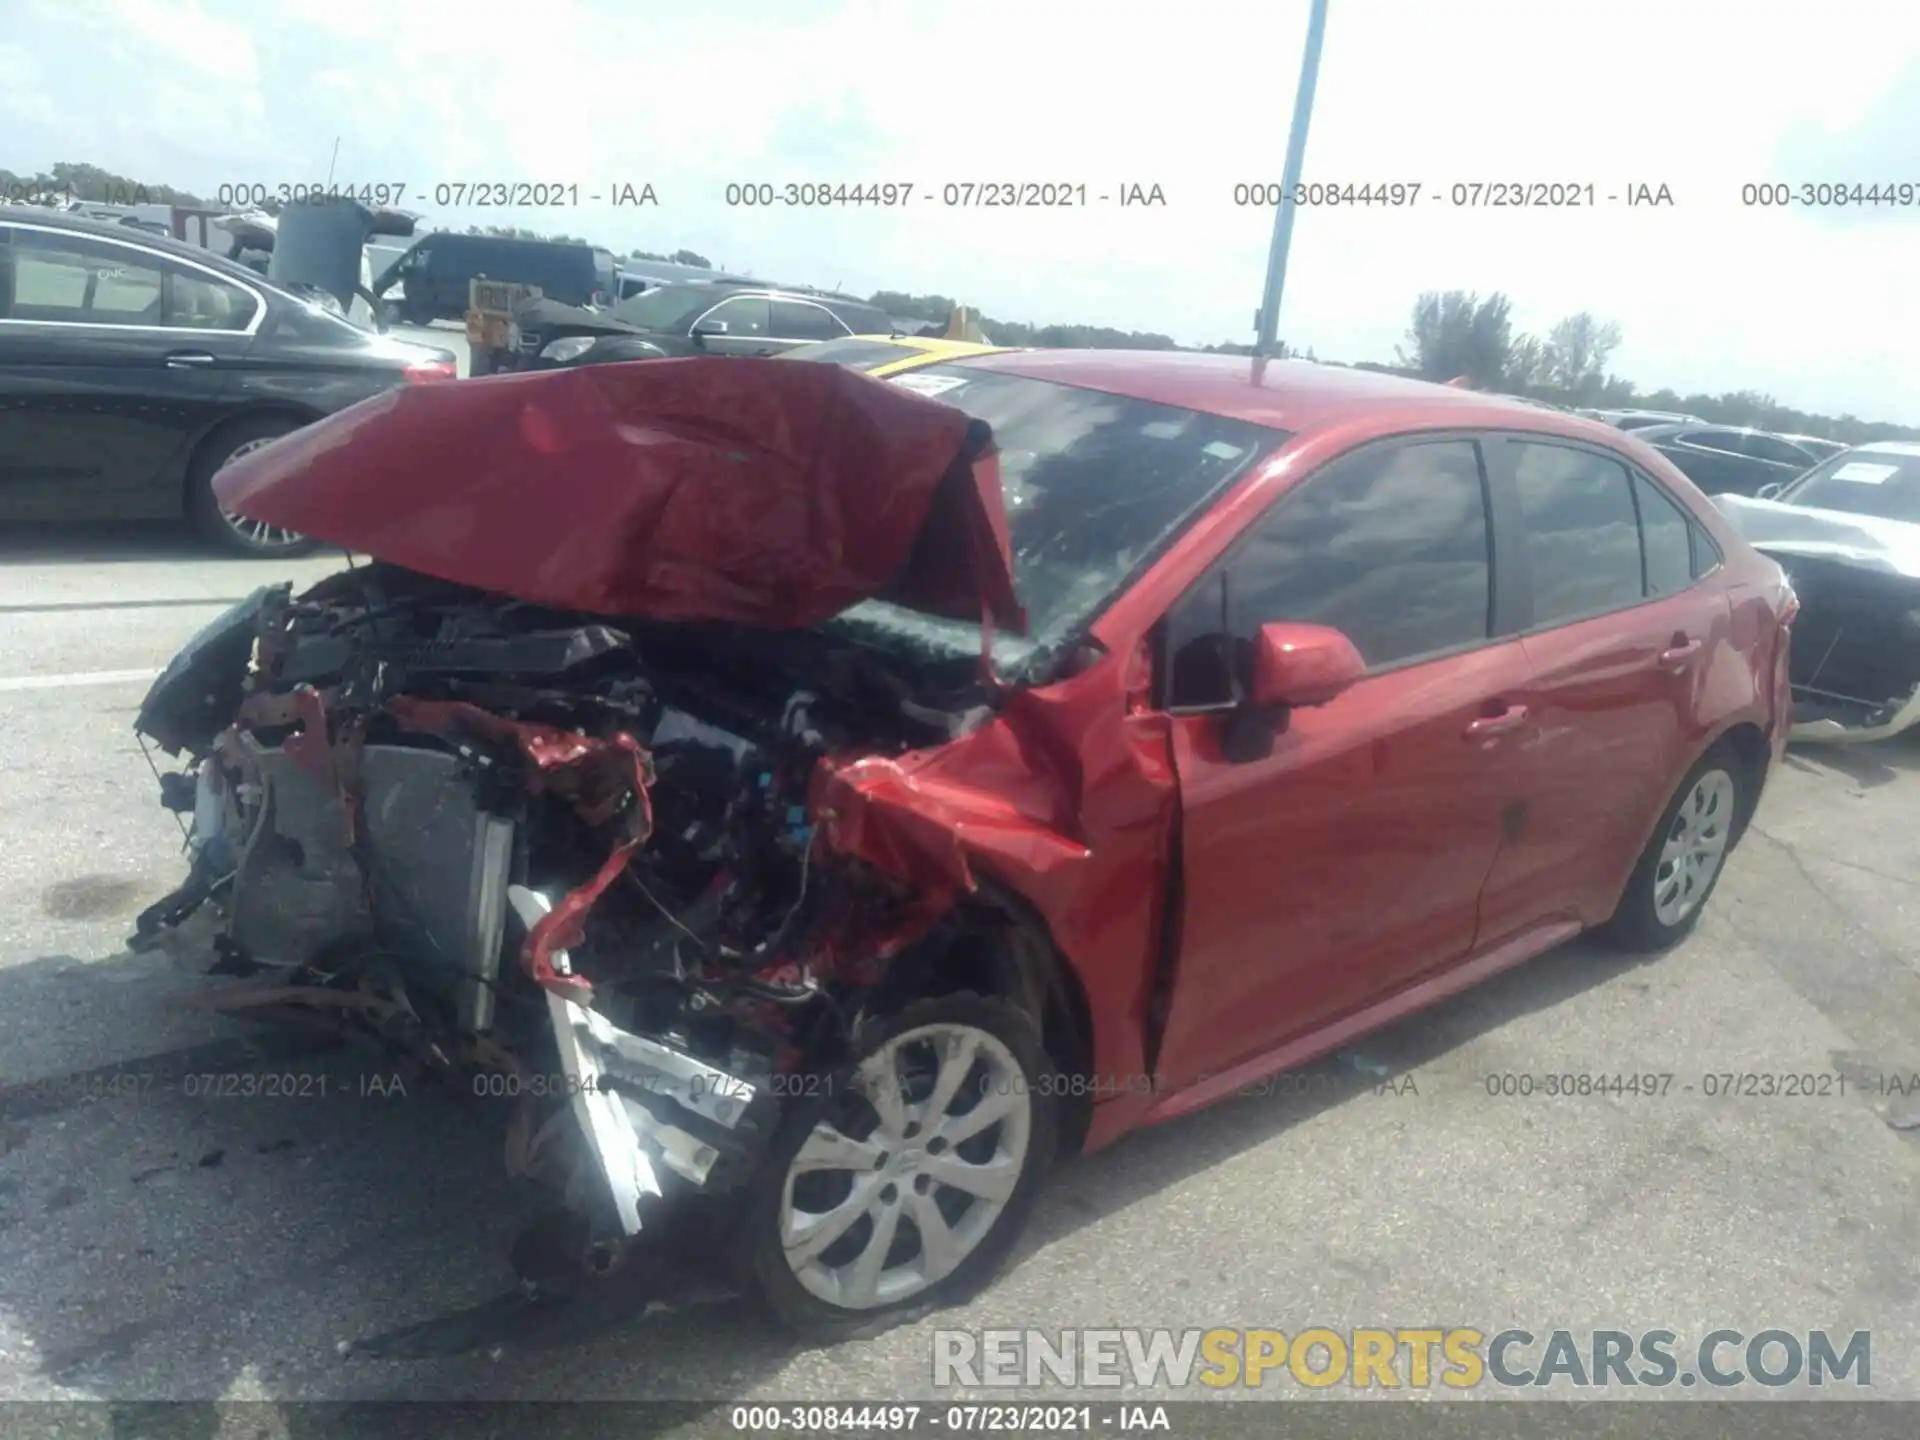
[{"x": 861, "y": 796}]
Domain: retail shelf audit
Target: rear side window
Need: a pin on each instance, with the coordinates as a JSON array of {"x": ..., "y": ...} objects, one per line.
[
  {"x": 76, "y": 280},
  {"x": 795, "y": 320},
  {"x": 1583, "y": 542},
  {"x": 1390, "y": 547},
  {"x": 1666, "y": 536},
  {"x": 865, "y": 321}
]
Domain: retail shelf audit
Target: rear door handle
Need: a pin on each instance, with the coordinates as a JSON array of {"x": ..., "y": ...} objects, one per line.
[
  {"x": 1677, "y": 656},
  {"x": 1488, "y": 726},
  {"x": 188, "y": 359}
]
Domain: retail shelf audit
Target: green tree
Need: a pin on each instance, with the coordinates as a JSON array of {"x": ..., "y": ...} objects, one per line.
[
  {"x": 1455, "y": 332},
  {"x": 1575, "y": 354}
]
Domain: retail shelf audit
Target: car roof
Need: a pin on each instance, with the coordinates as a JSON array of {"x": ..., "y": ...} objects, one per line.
[
  {"x": 1891, "y": 447},
  {"x": 113, "y": 230},
  {"x": 1292, "y": 395}
]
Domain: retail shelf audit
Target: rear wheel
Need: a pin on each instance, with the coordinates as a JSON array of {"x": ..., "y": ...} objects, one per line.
[
  {"x": 236, "y": 534},
  {"x": 1684, "y": 858},
  {"x": 904, "y": 1185}
]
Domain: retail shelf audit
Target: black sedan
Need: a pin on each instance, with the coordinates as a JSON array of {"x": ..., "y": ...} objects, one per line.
[
  {"x": 133, "y": 366},
  {"x": 696, "y": 318},
  {"x": 1726, "y": 459}
]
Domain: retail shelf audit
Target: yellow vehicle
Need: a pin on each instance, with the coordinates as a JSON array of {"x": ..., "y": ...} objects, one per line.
[{"x": 884, "y": 355}]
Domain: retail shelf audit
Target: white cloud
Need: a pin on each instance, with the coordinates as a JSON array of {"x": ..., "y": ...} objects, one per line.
[{"x": 1700, "y": 97}]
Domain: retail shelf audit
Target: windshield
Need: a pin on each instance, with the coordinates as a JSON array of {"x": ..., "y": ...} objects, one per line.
[
  {"x": 1883, "y": 483},
  {"x": 672, "y": 307},
  {"x": 1095, "y": 484}
]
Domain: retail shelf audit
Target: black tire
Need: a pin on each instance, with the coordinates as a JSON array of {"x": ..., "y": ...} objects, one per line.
[
  {"x": 1636, "y": 923},
  {"x": 204, "y": 511},
  {"x": 761, "y": 1254}
]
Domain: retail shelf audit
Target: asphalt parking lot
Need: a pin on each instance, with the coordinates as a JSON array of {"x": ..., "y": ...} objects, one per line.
[{"x": 156, "y": 1246}]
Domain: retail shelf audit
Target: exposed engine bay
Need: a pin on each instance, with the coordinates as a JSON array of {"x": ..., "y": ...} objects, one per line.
[{"x": 511, "y": 839}]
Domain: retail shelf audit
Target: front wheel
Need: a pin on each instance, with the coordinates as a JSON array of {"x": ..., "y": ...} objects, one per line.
[
  {"x": 233, "y": 533},
  {"x": 903, "y": 1185},
  {"x": 1684, "y": 858}
]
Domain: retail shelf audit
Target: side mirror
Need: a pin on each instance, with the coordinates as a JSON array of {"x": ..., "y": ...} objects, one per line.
[
  {"x": 1769, "y": 491},
  {"x": 702, "y": 329},
  {"x": 1299, "y": 665}
]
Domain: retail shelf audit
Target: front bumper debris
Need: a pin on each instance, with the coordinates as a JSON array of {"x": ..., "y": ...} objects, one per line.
[
  {"x": 645, "y": 1107},
  {"x": 1853, "y": 722}
]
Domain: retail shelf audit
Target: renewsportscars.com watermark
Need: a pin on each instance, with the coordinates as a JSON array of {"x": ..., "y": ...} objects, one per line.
[{"x": 1397, "y": 1358}]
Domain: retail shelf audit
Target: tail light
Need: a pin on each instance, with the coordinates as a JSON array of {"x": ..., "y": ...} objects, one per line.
[{"x": 424, "y": 370}]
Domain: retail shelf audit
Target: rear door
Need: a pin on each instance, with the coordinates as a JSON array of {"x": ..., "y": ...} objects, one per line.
[
  {"x": 113, "y": 359},
  {"x": 1621, "y": 634},
  {"x": 1330, "y": 872}
]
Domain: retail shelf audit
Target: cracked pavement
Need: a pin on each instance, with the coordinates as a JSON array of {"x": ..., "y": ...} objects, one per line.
[{"x": 158, "y": 1245}]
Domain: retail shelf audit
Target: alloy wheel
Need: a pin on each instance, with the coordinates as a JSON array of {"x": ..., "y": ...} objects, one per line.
[
  {"x": 258, "y": 535},
  {"x": 1695, "y": 846},
  {"x": 892, "y": 1193}
]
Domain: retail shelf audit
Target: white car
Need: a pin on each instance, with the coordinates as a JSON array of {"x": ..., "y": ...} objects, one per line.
[{"x": 1848, "y": 534}]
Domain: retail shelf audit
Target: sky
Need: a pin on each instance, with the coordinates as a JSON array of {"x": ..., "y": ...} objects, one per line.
[{"x": 1817, "y": 307}]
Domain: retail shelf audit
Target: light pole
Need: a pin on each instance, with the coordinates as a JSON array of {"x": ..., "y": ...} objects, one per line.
[{"x": 1268, "y": 320}]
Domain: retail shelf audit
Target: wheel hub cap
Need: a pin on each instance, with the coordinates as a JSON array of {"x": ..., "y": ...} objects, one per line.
[
  {"x": 1695, "y": 846},
  {"x": 904, "y": 1181}
]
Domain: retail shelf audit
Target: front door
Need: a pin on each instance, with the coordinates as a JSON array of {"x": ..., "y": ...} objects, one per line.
[
  {"x": 749, "y": 327},
  {"x": 1351, "y": 858}
]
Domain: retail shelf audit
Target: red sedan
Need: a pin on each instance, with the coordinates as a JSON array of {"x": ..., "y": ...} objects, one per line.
[{"x": 851, "y": 794}]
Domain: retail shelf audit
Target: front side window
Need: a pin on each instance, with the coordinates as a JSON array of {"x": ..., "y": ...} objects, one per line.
[
  {"x": 76, "y": 280},
  {"x": 1582, "y": 539},
  {"x": 744, "y": 315},
  {"x": 199, "y": 302},
  {"x": 1391, "y": 547}
]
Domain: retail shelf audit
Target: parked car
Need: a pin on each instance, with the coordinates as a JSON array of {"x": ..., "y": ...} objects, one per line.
[
  {"x": 1641, "y": 419},
  {"x": 862, "y": 792},
  {"x": 435, "y": 274},
  {"x": 691, "y": 319},
  {"x": 1726, "y": 459},
  {"x": 132, "y": 367},
  {"x": 1848, "y": 533},
  {"x": 638, "y": 276}
]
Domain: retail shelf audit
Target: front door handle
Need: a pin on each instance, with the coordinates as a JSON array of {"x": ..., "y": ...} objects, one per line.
[
  {"x": 1489, "y": 726},
  {"x": 188, "y": 359},
  {"x": 1676, "y": 657}
]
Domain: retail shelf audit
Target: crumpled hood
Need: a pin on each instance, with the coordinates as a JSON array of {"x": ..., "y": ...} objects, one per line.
[
  {"x": 1890, "y": 546},
  {"x": 742, "y": 490}
]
